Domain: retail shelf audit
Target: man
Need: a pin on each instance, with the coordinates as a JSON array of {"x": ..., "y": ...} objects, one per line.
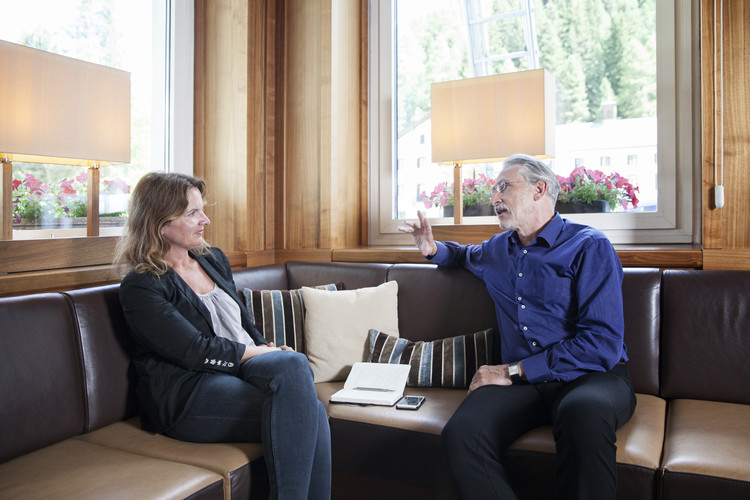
[{"x": 557, "y": 291}]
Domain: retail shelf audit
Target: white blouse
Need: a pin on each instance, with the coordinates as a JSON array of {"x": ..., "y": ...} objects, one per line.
[{"x": 225, "y": 314}]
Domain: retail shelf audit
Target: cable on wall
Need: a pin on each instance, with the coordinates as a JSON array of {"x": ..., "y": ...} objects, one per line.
[{"x": 719, "y": 127}]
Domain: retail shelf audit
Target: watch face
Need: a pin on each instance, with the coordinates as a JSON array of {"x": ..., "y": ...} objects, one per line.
[{"x": 513, "y": 369}]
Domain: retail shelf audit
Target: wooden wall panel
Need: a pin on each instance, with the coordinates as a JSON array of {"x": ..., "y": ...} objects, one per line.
[
  {"x": 258, "y": 207},
  {"x": 364, "y": 141},
  {"x": 346, "y": 180},
  {"x": 727, "y": 228},
  {"x": 322, "y": 168},
  {"x": 304, "y": 71},
  {"x": 726, "y": 258},
  {"x": 37, "y": 255},
  {"x": 221, "y": 118}
]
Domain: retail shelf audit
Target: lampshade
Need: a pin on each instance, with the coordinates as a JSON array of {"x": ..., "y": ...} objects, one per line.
[
  {"x": 486, "y": 119},
  {"x": 60, "y": 110}
]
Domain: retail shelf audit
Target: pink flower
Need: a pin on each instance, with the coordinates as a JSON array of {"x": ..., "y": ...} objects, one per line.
[
  {"x": 117, "y": 185},
  {"x": 587, "y": 185},
  {"x": 67, "y": 186}
]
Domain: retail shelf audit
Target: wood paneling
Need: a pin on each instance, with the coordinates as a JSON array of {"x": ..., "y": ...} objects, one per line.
[
  {"x": 303, "y": 123},
  {"x": 56, "y": 281},
  {"x": 322, "y": 120},
  {"x": 258, "y": 207},
  {"x": 661, "y": 256},
  {"x": 726, "y": 259},
  {"x": 726, "y": 228},
  {"x": 346, "y": 74},
  {"x": 221, "y": 120},
  {"x": 38, "y": 255},
  {"x": 664, "y": 257},
  {"x": 363, "y": 122}
]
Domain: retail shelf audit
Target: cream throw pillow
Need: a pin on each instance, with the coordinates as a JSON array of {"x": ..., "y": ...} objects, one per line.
[{"x": 337, "y": 325}]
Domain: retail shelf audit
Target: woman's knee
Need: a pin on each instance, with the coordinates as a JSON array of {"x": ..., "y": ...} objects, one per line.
[{"x": 278, "y": 368}]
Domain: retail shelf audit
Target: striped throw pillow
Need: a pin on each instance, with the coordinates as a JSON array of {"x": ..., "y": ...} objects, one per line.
[
  {"x": 450, "y": 362},
  {"x": 279, "y": 314}
]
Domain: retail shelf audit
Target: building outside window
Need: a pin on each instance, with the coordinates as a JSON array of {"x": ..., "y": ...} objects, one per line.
[{"x": 612, "y": 100}]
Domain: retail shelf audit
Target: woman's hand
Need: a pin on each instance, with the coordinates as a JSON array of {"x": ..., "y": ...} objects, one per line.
[
  {"x": 256, "y": 350},
  {"x": 283, "y": 347}
]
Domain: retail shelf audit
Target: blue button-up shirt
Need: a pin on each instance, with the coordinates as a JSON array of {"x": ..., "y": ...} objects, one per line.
[{"x": 558, "y": 301}]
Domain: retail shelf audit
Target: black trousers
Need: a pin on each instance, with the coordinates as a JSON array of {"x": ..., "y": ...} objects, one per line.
[{"x": 584, "y": 414}]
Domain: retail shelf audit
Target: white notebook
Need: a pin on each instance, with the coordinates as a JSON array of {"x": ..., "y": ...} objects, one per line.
[{"x": 373, "y": 384}]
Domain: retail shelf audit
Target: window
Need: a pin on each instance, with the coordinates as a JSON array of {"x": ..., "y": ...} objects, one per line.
[
  {"x": 439, "y": 29},
  {"x": 152, "y": 41}
]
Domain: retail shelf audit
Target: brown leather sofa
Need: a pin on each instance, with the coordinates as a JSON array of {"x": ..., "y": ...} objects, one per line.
[{"x": 69, "y": 426}]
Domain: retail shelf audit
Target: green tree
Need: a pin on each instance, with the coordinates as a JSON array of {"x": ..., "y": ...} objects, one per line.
[
  {"x": 95, "y": 34},
  {"x": 439, "y": 53}
]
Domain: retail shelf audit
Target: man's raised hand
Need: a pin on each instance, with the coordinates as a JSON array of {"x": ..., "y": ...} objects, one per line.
[{"x": 421, "y": 234}]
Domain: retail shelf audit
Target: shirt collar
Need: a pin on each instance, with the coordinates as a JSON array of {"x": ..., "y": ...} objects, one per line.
[{"x": 549, "y": 234}]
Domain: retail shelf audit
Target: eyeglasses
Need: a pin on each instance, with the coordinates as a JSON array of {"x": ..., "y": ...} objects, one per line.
[{"x": 501, "y": 186}]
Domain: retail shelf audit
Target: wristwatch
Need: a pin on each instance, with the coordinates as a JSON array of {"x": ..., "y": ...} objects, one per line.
[{"x": 514, "y": 372}]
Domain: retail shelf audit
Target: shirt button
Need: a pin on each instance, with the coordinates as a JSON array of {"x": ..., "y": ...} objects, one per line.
[
  {"x": 525, "y": 251},
  {"x": 520, "y": 298},
  {"x": 525, "y": 328},
  {"x": 520, "y": 275},
  {"x": 523, "y": 307},
  {"x": 533, "y": 343}
]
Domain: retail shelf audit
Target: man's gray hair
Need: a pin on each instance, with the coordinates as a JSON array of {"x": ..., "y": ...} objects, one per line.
[{"x": 534, "y": 170}]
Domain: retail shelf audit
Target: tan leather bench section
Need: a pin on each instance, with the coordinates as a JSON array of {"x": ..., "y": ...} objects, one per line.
[{"x": 708, "y": 438}]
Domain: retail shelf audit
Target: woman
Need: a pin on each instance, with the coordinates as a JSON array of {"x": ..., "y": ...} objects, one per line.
[{"x": 205, "y": 374}]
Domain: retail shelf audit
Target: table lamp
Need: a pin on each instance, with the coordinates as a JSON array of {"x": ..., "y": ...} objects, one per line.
[
  {"x": 488, "y": 118},
  {"x": 62, "y": 111}
]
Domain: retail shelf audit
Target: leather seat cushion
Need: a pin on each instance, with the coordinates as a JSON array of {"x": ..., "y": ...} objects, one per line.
[
  {"x": 708, "y": 438},
  {"x": 78, "y": 469},
  {"x": 438, "y": 407},
  {"x": 638, "y": 441},
  {"x": 229, "y": 460}
]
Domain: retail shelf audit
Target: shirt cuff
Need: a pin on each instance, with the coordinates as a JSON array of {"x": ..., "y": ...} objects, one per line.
[
  {"x": 535, "y": 368},
  {"x": 439, "y": 254}
]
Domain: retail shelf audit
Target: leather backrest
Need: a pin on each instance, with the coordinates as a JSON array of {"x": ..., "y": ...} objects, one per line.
[
  {"x": 641, "y": 296},
  {"x": 109, "y": 379},
  {"x": 351, "y": 275},
  {"x": 271, "y": 277},
  {"x": 435, "y": 303},
  {"x": 41, "y": 381},
  {"x": 705, "y": 333}
]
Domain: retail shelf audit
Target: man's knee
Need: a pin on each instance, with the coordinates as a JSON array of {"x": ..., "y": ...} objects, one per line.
[{"x": 585, "y": 421}]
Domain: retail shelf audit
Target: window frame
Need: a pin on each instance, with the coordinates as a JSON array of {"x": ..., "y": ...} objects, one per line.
[{"x": 678, "y": 129}]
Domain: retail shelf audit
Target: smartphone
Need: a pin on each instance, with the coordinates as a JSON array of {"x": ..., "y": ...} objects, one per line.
[{"x": 410, "y": 402}]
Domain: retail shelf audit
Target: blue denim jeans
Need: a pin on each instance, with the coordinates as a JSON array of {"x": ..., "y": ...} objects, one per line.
[{"x": 272, "y": 400}]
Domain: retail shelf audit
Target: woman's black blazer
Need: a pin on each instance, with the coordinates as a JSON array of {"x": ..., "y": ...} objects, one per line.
[{"x": 175, "y": 343}]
